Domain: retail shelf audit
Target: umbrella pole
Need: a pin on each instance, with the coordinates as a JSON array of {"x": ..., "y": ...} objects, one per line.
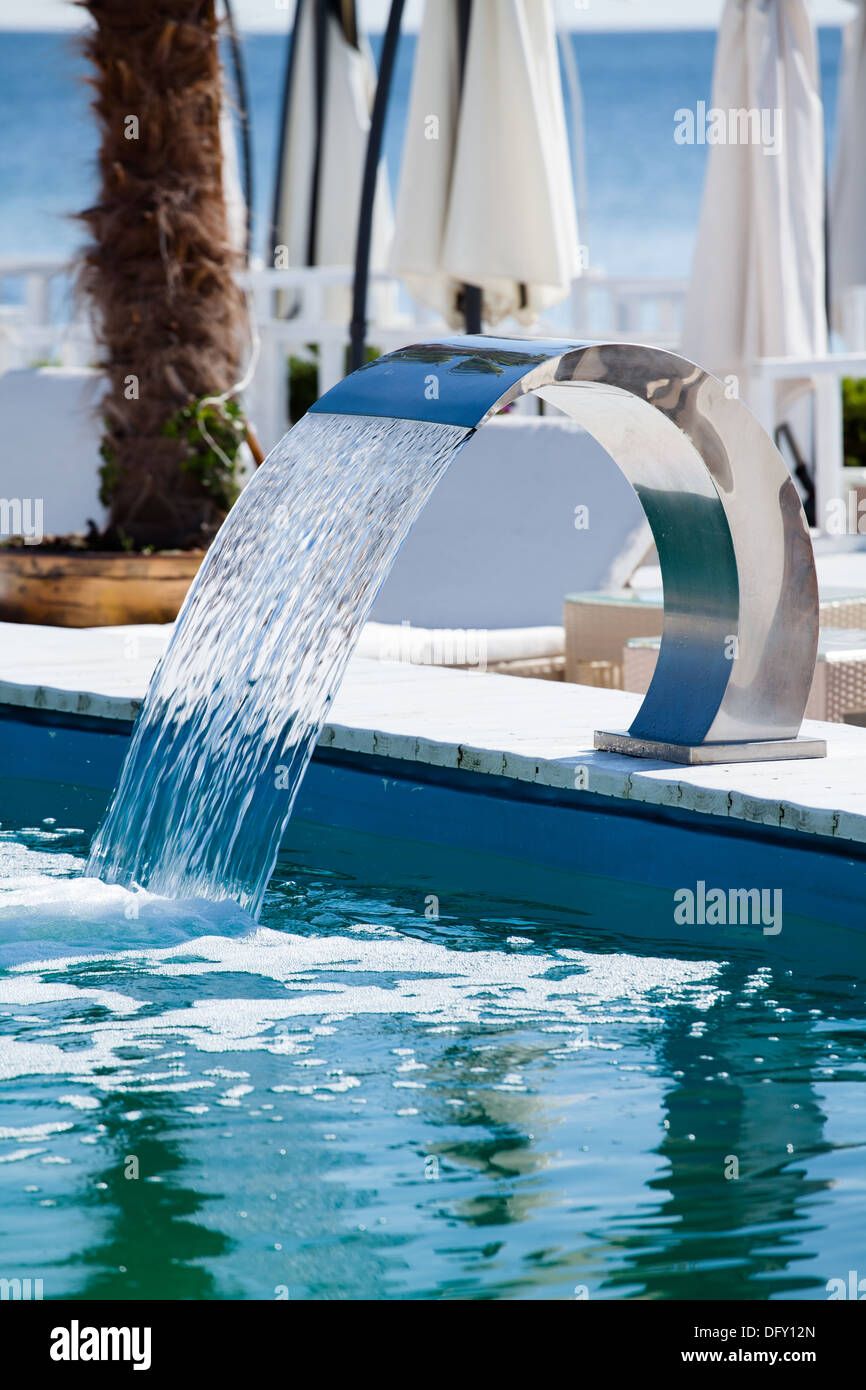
[
  {"x": 321, "y": 82},
  {"x": 471, "y": 293},
  {"x": 283, "y": 135},
  {"x": 358, "y": 326}
]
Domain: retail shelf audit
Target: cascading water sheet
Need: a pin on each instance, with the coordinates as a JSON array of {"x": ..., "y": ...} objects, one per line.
[{"x": 234, "y": 710}]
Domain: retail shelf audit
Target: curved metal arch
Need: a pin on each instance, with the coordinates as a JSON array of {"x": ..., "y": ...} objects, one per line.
[{"x": 740, "y": 629}]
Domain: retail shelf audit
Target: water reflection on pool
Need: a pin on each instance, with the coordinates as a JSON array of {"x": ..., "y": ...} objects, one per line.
[{"x": 357, "y": 1099}]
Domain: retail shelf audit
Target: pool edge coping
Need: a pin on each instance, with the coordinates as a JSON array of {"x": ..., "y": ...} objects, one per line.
[{"x": 585, "y": 773}]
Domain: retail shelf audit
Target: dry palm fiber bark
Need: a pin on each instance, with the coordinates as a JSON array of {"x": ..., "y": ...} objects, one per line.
[{"x": 159, "y": 270}]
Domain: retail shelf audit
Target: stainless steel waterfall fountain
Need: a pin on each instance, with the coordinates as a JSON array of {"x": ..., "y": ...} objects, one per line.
[{"x": 740, "y": 591}]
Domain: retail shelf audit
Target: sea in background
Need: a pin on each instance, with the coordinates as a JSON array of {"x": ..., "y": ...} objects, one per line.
[{"x": 643, "y": 189}]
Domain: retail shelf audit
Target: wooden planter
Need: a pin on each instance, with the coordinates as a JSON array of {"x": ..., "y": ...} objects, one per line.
[{"x": 93, "y": 589}]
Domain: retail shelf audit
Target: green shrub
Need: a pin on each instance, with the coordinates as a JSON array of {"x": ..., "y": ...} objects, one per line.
[
  {"x": 854, "y": 421},
  {"x": 213, "y": 432},
  {"x": 304, "y": 378}
]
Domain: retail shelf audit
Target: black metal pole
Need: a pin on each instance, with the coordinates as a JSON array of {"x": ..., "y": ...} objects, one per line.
[
  {"x": 283, "y": 133},
  {"x": 471, "y": 293},
  {"x": 321, "y": 87},
  {"x": 358, "y": 326},
  {"x": 244, "y": 112}
]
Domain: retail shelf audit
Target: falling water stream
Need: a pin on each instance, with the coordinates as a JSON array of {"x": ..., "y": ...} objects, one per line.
[
  {"x": 349, "y": 1099},
  {"x": 234, "y": 710}
]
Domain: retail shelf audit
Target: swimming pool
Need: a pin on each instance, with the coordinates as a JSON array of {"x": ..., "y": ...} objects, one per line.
[{"x": 409, "y": 1083}]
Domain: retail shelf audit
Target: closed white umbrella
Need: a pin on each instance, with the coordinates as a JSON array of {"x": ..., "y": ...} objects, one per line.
[
  {"x": 486, "y": 195},
  {"x": 233, "y": 194},
  {"x": 757, "y": 285},
  {"x": 847, "y": 221},
  {"x": 237, "y": 192},
  {"x": 322, "y": 150}
]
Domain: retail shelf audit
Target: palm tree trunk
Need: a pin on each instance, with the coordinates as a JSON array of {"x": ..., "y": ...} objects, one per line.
[{"x": 159, "y": 268}]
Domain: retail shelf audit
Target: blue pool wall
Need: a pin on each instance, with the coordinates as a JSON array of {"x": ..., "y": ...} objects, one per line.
[{"x": 65, "y": 767}]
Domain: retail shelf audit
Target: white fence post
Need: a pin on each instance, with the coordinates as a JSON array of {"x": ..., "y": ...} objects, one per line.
[
  {"x": 829, "y": 476},
  {"x": 332, "y": 362},
  {"x": 266, "y": 389},
  {"x": 760, "y": 396}
]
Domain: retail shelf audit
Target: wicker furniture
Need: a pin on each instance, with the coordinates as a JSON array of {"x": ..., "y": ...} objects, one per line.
[
  {"x": 598, "y": 626},
  {"x": 838, "y": 688}
]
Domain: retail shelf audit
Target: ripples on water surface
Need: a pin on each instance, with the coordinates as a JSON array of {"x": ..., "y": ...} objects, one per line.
[{"x": 350, "y": 1100}]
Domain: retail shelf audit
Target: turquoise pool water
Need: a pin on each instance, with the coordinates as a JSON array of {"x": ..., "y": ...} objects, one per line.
[{"x": 359, "y": 1098}]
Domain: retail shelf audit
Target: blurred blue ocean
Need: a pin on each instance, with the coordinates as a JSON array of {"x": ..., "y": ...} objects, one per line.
[{"x": 643, "y": 189}]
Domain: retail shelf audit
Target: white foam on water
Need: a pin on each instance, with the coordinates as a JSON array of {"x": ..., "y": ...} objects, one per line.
[
  {"x": 49, "y": 908},
  {"x": 427, "y": 981},
  {"x": 36, "y": 991},
  {"x": 196, "y": 1000},
  {"x": 33, "y": 1131},
  {"x": 80, "y": 1102}
]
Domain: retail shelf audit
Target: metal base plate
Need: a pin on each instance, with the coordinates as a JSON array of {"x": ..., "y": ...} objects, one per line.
[{"x": 756, "y": 751}]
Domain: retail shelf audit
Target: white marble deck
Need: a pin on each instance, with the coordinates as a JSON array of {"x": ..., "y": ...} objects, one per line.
[{"x": 500, "y": 726}]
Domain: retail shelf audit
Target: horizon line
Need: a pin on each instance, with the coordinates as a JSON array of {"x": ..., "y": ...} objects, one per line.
[{"x": 661, "y": 27}]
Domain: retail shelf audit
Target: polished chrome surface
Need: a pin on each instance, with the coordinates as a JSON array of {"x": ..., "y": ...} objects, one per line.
[{"x": 740, "y": 590}]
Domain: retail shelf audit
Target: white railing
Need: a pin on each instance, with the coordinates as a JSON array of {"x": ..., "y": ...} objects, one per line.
[
  {"x": 41, "y": 323},
  {"x": 826, "y": 374},
  {"x": 296, "y": 309},
  {"x": 307, "y": 308},
  {"x": 629, "y": 309},
  {"x": 598, "y": 307}
]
